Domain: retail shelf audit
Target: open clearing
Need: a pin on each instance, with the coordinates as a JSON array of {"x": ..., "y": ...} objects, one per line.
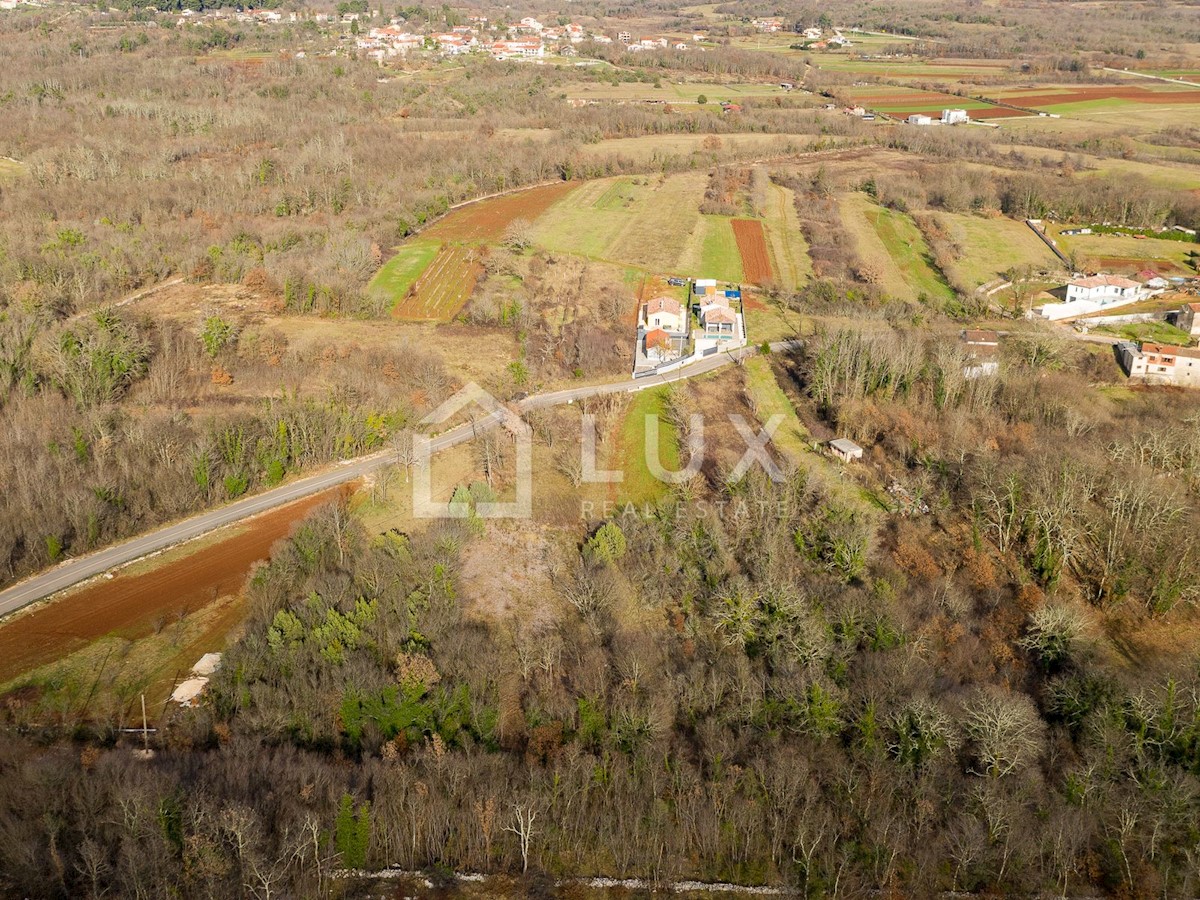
[
  {"x": 708, "y": 147},
  {"x": 445, "y": 287},
  {"x": 992, "y": 246},
  {"x": 646, "y": 222},
  {"x": 639, "y": 485},
  {"x": 486, "y": 220},
  {"x": 890, "y": 243},
  {"x": 789, "y": 250},
  {"x": 400, "y": 273},
  {"x": 132, "y": 604},
  {"x": 752, "y": 245},
  {"x": 1122, "y": 252},
  {"x": 10, "y": 168}
]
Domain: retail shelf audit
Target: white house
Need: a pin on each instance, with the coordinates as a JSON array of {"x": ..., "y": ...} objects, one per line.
[
  {"x": 918, "y": 119},
  {"x": 955, "y": 117},
  {"x": 525, "y": 48},
  {"x": 1103, "y": 289}
]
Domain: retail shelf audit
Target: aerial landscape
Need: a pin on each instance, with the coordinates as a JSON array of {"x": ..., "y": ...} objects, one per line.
[{"x": 587, "y": 450}]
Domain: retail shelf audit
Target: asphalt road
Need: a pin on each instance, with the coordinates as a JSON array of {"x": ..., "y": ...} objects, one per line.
[{"x": 77, "y": 569}]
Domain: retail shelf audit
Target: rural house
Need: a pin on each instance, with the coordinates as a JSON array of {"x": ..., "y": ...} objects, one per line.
[
  {"x": 1103, "y": 289},
  {"x": 719, "y": 321},
  {"x": 1187, "y": 320},
  {"x": 1160, "y": 363},
  {"x": 666, "y": 313}
]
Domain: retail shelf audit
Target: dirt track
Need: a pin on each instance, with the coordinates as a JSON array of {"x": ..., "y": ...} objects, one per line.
[
  {"x": 130, "y": 605},
  {"x": 486, "y": 221},
  {"x": 752, "y": 245}
]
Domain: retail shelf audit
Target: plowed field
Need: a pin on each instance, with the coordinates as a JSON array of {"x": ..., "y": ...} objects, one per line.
[
  {"x": 752, "y": 245},
  {"x": 445, "y": 287},
  {"x": 131, "y": 604},
  {"x": 487, "y": 219}
]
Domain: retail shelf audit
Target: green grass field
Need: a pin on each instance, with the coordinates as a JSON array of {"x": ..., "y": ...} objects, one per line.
[
  {"x": 648, "y": 223},
  {"x": 401, "y": 272},
  {"x": 712, "y": 251},
  {"x": 891, "y": 242},
  {"x": 1105, "y": 249},
  {"x": 791, "y": 440},
  {"x": 640, "y": 486},
  {"x": 1159, "y": 332},
  {"x": 991, "y": 246},
  {"x": 789, "y": 251}
]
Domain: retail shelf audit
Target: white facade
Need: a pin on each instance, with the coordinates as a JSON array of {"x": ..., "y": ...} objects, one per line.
[
  {"x": 1104, "y": 289},
  {"x": 955, "y": 117},
  {"x": 918, "y": 119}
]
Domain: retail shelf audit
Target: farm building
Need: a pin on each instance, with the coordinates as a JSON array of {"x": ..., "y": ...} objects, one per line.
[
  {"x": 955, "y": 117},
  {"x": 845, "y": 450},
  {"x": 918, "y": 119}
]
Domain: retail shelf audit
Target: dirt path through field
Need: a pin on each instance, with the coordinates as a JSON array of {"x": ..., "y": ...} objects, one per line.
[{"x": 132, "y": 604}]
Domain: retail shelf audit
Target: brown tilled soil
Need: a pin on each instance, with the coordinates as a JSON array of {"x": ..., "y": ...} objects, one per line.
[
  {"x": 752, "y": 245},
  {"x": 1105, "y": 92},
  {"x": 132, "y": 605},
  {"x": 445, "y": 287},
  {"x": 487, "y": 219}
]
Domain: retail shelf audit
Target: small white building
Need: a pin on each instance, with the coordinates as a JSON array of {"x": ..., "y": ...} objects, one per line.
[
  {"x": 918, "y": 119},
  {"x": 845, "y": 450},
  {"x": 955, "y": 117}
]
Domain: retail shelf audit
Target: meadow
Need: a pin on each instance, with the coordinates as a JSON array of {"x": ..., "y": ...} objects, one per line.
[
  {"x": 891, "y": 245},
  {"x": 993, "y": 245}
]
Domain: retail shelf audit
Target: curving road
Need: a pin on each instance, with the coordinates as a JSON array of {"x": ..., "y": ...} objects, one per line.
[{"x": 78, "y": 569}]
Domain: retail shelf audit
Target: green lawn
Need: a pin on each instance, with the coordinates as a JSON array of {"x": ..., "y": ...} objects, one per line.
[
  {"x": 401, "y": 272},
  {"x": 719, "y": 257},
  {"x": 907, "y": 248},
  {"x": 991, "y": 246},
  {"x": 792, "y": 440},
  {"x": 1158, "y": 332},
  {"x": 640, "y": 486}
]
